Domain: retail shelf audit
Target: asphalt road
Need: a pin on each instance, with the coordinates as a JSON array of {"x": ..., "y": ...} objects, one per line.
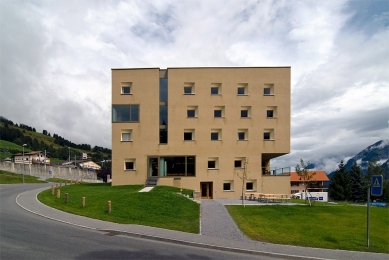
[{"x": 24, "y": 235}]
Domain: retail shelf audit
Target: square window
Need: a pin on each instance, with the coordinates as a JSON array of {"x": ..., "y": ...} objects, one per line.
[
  {"x": 227, "y": 186},
  {"x": 188, "y": 136},
  {"x": 269, "y": 113},
  {"x": 238, "y": 163},
  {"x": 214, "y": 91},
  {"x": 268, "y": 90},
  {"x": 241, "y": 136},
  {"x": 129, "y": 165},
  {"x": 266, "y": 136},
  {"x": 211, "y": 164},
  {"x": 249, "y": 186},
  {"x": 126, "y": 136},
  {"x": 126, "y": 90},
  {"x": 191, "y": 113},
  {"x": 215, "y": 136},
  {"x": 217, "y": 113},
  {"x": 244, "y": 113},
  {"x": 187, "y": 90},
  {"x": 242, "y": 89}
]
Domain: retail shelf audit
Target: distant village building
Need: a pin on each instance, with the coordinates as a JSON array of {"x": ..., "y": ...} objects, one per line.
[
  {"x": 317, "y": 185},
  {"x": 34, "y": 157}
]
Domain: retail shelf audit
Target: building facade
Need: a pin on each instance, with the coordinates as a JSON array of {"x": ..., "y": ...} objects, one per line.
[
  {"x": 34, "y": 157},
  {"x": 199, "y": 128},
  {"x": 317, "y": 183}
]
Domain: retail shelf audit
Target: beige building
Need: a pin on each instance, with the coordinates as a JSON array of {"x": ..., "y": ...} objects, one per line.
[
  {"x": 34, "y": 157},
  {"x": 198, "y": 128}
]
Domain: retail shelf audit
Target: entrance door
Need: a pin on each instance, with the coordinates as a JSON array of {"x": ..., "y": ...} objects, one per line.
[{"x": 206, "y": 190}]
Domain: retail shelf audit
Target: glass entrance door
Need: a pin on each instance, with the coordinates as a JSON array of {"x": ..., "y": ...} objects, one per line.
[{"x": 206, "y": 190}]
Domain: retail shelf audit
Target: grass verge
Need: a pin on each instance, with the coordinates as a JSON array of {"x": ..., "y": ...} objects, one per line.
[
  {"x": 161, "y": 207},
  {"x": 14, "y": 178},
  {"x": 322, "y": 226}
]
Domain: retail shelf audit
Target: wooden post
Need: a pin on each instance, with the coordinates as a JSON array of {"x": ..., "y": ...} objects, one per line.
[
  {"x": 83, "y": 202},
  {"x": 58, "y": 193},
  {"x": 66, "y": 183},
  {"x": 66, "y": 197},
  {"x": 60, "y": 184},
  {"x": 109, "y": 207},
  {"x": 71, "y": 182},
  {"x": 52, "y": 189},
  {"x": 56, "y": 185}
]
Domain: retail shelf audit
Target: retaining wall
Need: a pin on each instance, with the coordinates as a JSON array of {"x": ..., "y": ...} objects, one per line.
[{"x": 45, "y": 172}]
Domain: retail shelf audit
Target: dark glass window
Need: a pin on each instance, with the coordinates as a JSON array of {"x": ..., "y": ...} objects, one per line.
[
  {"x": 266, "y": 91},
  {"x": 214, "y": 91},
  {"x": 226, "y": 186},
  {"x": 241, "y": 136},
  {"x": 211, "y": 164},
  {"x": 191, "y": 113},
  {"x": 241, "y": 91},
  {"x": 126, "y": 90},
  {"x": 214, "y": 136},
  {"x": 269, "y": 113},
  {"x": 129, "y": 165},
  {"x": 266, "y": 136},
  {"x": 162, "y": 136},
  {"x": 238, "y": 164},
  {"x": 134, "y": 113},
  {"x": 187, "y": 90},
  {"x": 249, "y": 186},
  {"x": 244, "y": 113},
  {"x": 125, "y": 113},
  {"x": 188, "y": 136},
  {"x": 162, "y": 115},
  {"x": 163, "y": 90},
  {"x": 190, "y": 166},
  {"x": 217, "y": 113}
]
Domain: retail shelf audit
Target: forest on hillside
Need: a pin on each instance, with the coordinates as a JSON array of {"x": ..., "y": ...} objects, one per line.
[{"x": 56, "y": 146}]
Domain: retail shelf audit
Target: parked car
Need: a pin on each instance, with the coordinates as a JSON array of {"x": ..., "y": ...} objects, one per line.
[{"x": 296, "y": 196}]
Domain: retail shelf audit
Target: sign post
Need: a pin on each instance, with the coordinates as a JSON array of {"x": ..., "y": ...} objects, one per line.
[
  {"x": 375, "y": 189},
  {"x": 376, "y": 185}
]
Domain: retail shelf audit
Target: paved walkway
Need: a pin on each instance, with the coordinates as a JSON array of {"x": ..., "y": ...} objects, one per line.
[
  {"x": 233, "y": 241},
  {"x": 215, "y": 221}
]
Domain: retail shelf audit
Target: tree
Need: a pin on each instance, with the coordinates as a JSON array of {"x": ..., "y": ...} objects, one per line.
[
  {"x": 306, "y": 176},
  {"x": 357, "y": 181},
  {"x": 44, "y": 132},
  {"x": 340, "y": 188},
  {"x": 242, "y": 174}
]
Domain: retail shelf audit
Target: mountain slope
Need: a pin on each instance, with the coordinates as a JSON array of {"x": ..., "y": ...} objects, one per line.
[{"x": 378, "y": 151}]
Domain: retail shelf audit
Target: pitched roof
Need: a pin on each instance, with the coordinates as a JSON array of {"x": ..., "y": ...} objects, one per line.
[
  {"x": 31, "y": 153},
  {"x": 319, "y": 176}
]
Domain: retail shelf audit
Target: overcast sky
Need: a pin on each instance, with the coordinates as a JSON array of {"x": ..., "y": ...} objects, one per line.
[{"x": 56, "y": 60}]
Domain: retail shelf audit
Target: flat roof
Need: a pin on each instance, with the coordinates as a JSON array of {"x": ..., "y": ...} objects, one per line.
[{"x": 253, "y": 67}]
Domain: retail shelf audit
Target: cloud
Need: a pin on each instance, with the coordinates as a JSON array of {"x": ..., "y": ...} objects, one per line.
[{"x": 56, "y": 59}]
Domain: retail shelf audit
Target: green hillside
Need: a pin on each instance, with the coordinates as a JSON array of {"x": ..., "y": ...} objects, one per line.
[{"x": 13, "y": 136}]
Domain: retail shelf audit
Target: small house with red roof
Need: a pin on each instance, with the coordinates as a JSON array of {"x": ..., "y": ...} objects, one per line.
[{"x": 317, "y": 183}]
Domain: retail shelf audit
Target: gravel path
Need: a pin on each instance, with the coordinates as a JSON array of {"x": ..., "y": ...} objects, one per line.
[{"x": 215, "y": 221}]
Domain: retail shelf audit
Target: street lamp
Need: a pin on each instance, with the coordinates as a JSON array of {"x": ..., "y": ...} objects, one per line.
[
  {"x": 23, "y": 160},
  {"x": 69, "y": 155}
]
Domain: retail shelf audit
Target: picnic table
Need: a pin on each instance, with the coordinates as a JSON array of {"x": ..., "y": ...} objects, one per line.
[{"x": 274, "y": 198}]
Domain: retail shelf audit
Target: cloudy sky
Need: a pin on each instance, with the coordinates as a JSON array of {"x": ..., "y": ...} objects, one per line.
[{"x": 56, "y": 59}]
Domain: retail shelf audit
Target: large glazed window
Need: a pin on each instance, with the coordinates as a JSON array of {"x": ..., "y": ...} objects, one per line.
[
  {"x": 125, "y": 113},
  {"x": 172, "y": 166}
]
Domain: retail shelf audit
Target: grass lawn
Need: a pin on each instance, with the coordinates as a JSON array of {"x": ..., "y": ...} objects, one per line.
[
  {"x": 161, "y": 207},
  {"x": 322, "y": 225},
  {"x": 14, "y": 178}
]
